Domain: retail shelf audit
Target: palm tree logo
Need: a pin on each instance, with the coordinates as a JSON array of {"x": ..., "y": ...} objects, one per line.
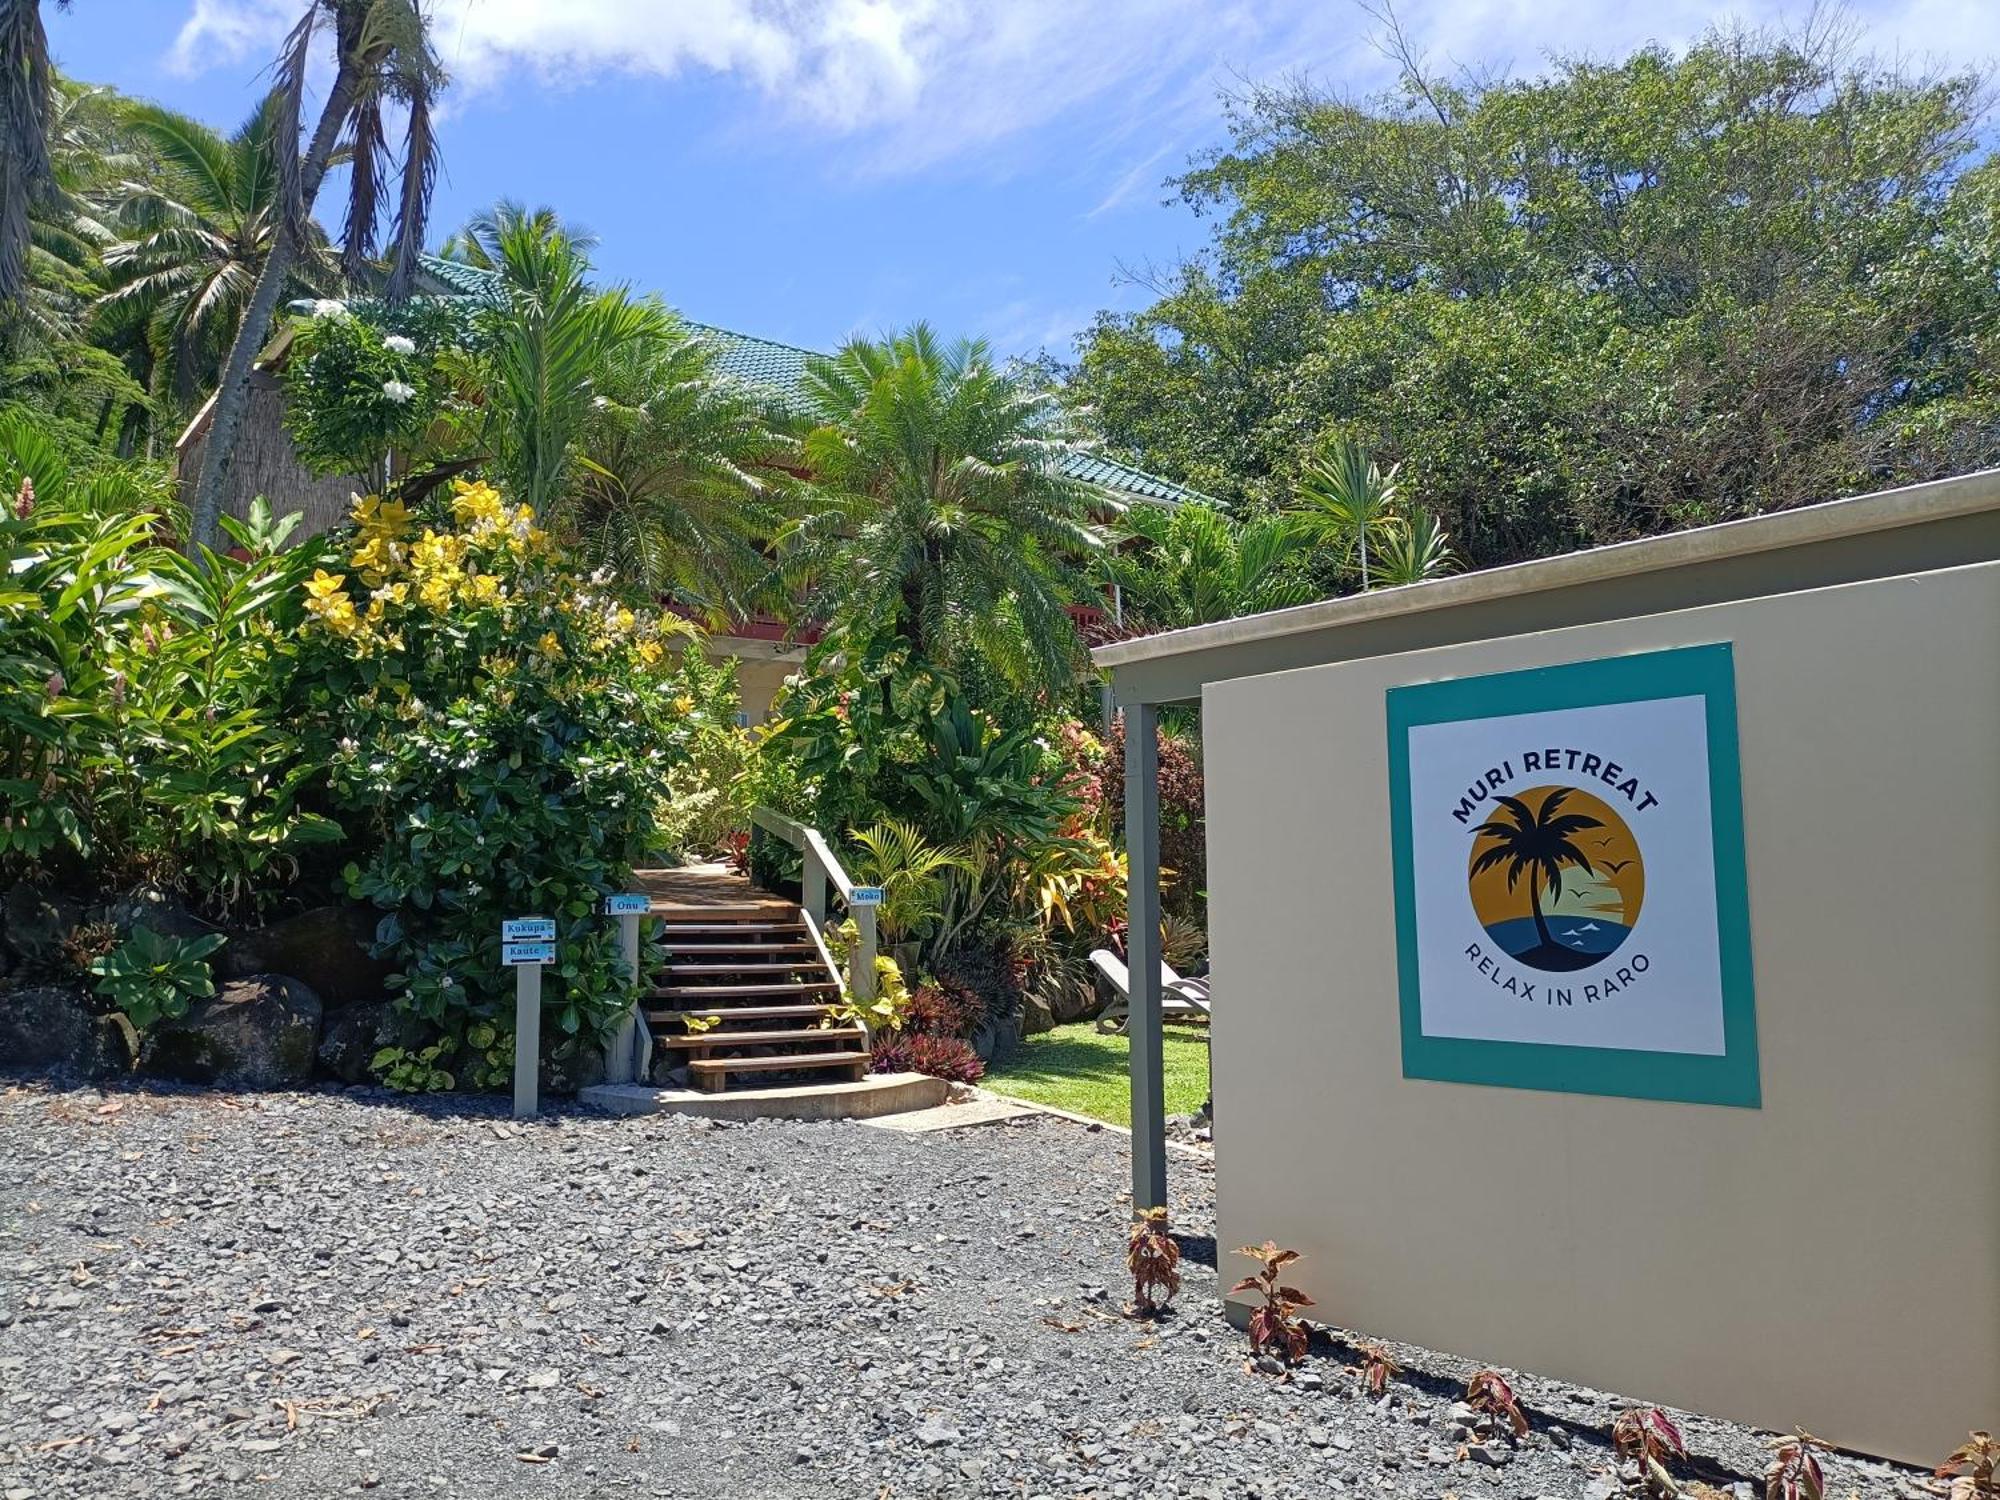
[{"x": 1556, "y": 878}]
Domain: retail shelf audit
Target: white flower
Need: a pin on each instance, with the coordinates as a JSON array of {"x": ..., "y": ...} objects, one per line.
[
  {"x": 327, "y": 307},
  {"x": 398, "y": 391},
  {"x": 395, "y": 343}
]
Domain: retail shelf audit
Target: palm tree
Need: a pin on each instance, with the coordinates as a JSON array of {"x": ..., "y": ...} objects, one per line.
[
  {"x": 542, "y": 348},
  {"x": 675, "y": 489},
  {"x": 1345, "y": 499},
  {"x": 1415, "y": 550},
  {"x": 477, "y": 242},
  {"x": 194, "y": 238},
  {"x": 1536, "y": 843},
  {"x": 940, "y": 512},
  {"x": 382, "y": 56},
  {"x": 1195, "y": 564},
  {"x": 27, "y": 176}
]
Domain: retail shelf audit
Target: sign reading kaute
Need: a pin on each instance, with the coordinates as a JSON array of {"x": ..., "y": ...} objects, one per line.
[
  {"x": 1570, "y": 902},
  {"x": 515, "y": 954}
]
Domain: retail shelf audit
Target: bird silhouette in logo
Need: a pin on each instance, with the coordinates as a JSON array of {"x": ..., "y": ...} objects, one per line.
[{"x": 1613, "y": 866}]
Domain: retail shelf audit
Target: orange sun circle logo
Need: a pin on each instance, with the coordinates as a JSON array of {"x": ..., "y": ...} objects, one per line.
[{"x": 1556, "y": 878}]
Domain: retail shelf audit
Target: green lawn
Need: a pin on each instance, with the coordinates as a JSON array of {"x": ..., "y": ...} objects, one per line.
[{"x": 1077, "y": 1068}]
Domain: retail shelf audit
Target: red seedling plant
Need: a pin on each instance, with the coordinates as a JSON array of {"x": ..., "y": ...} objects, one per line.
[
  {"x": 1154, "y": 1260},
  {"x": 1489, "y": 1393},
  {"x": 1648, "y": 1434},
  {"x": 1378, "y": 1367},
  {"x": 1273, "y": 1328},
  {"x": 1973, "y": 1468},
  {"x": 1795, "y": 1472}
]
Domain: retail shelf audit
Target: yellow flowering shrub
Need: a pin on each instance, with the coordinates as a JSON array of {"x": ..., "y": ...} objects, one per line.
[{"x": 506, "y": 728}]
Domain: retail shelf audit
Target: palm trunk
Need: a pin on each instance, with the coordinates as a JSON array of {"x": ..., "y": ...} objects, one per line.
[
  {"x": 232, "y": 395},
  {"x": 1541, "y": 922}
]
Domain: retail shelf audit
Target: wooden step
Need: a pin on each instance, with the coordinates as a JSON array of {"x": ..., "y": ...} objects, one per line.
[
  {"x": 711, "y": 1073},
  {"x": 696, "y": 970},
  {"x": 742, "y": 1013},
  {"x": 802, "y": 945},
  {"x": 720, "y": 1038},
  {"x": 730, "y": 929},
  {"x": 713, "y": 991}
]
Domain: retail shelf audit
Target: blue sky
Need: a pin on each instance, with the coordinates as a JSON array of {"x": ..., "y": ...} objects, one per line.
[{"x": 803, "y": 169}]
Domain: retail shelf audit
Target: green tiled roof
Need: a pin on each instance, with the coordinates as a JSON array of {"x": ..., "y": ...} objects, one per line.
[{"x": 777, "y": 372}]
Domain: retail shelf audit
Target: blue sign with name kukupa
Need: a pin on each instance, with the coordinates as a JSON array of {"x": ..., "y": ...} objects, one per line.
[{"x": 527, "y": 930}]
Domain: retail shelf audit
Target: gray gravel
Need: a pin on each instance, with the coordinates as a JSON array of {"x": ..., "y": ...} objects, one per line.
[{"x": 320, "y": 1294}]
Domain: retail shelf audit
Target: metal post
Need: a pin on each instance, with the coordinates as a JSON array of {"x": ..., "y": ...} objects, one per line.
[
  {"x": 527, "y": 1039},
  {"x": 861, "y": 962},
  {"x": 1142, "y": 954}
]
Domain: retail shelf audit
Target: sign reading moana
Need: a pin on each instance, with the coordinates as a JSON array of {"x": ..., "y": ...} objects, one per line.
[{"x": 1570, "y": 897}]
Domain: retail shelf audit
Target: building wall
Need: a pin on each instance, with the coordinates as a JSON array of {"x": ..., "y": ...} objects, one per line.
[
  {"x": 265, "y": 463},
  {"x": 1831, "y": 1259}
]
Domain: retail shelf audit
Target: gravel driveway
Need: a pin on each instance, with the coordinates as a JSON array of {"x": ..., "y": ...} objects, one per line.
[{"x": 321, "y": 1294}]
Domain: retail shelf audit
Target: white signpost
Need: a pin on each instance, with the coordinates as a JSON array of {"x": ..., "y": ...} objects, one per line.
[
  {"x": 526, "y": 943},
  {"x": 621, "y": 1051}
]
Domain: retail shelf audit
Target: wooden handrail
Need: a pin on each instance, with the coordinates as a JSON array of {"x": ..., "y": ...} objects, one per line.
[{"x": 823, "y": 868}]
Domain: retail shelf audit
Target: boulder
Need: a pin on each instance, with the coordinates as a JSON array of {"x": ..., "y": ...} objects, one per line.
[
  {"x": 53, "y": 1027},
  {"x": 1076, "y": 1002},
  {"x": 353, "y": 1035},
  {"x": 582, "y": 1068},
  {"x": 260, "y": 1032},
  {"x": 326, "y": 948},
  {"x": 1036, "y": 1017},
  {"x": 151, "y": 906},
  {"x": 34, "y": 923}
]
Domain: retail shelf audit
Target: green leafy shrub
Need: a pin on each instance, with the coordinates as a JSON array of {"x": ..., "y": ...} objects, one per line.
[
  {"x": 494, "y": 729},
  {"x": 702, "y": 803},
  {"x": 419, "y": 1072},
  {"x": 354, "y": 390},
  {"x": 151, "y": 977},
  {"x": 203, "y": 784},
  {"x": 141, "y": 736}
]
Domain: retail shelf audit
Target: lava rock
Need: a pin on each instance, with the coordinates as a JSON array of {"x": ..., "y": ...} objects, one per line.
[
  {"x": 352, "y": 1035},
  {"x": 34, "y": 922},
  {"x": 54, "y": 1027},
  {"x": 151, "y": 906},
  {"x": 1036, "y": 1017},
  {"x": 326, "y": 948},
  {"x": 260, "y": 1032}
]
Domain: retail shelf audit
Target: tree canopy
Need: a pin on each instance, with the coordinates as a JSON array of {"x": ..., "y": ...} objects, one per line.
[{"x": 1614, "y": 299}]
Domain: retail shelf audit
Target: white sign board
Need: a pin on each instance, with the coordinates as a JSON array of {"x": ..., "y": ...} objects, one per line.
[
  {"x": 527, "y": 953},
  {"x": 632, "y": 904},
  {"x": 1570, "y": 906},
  {"x": 527, "y": 929}
]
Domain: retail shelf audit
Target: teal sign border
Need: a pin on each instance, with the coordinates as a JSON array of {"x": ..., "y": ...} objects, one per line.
[{"x": 1705, "y": 671}]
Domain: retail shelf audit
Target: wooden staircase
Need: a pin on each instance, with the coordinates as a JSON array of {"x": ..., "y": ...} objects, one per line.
[{"x": 746, "y": 990}]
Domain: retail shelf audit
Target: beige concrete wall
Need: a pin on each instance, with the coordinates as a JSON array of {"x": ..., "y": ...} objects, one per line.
[
  {"x": 758, "y": 680},
  {"x": 1831, "y": 1259}
]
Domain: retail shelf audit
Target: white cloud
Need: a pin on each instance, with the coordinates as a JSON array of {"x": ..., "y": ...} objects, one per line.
[{"x": 914, "y": 83}]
